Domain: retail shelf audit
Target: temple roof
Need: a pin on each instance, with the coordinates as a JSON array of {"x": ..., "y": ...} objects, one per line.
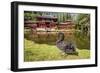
[{"x": 47, "y": 17}]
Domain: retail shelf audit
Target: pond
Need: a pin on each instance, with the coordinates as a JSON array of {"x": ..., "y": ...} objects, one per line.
[{"x": 81, "y": 40}]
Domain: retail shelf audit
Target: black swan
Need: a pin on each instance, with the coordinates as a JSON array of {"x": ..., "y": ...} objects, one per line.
[{"x": 66, "y": 47}]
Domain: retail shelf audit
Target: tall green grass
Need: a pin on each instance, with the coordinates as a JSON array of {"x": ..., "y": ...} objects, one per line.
[{"x": 45, "y": 52}]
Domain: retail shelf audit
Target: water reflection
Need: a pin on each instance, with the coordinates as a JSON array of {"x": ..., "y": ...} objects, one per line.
[{"x": 81, "y": 40}]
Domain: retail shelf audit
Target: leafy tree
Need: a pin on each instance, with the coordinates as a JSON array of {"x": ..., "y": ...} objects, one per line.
[{"x": 83, "y": 23}]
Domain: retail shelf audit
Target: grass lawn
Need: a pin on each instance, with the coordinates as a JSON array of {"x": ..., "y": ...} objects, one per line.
[{"x": 43, "y": 52}]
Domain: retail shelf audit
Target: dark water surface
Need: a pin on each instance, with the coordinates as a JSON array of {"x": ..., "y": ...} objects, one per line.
[{"x": 81, "y": 40}]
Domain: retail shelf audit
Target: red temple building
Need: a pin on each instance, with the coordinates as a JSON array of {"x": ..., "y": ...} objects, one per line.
[
  {"x": 48, "y": 23},
  {"x": 66, "y": 25}
]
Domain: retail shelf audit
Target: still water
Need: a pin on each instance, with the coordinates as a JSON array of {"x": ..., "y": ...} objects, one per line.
[{"x": 81, "y": 40}]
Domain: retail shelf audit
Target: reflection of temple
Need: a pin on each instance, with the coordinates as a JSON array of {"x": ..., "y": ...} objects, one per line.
[{"x": 48, "y": 23}]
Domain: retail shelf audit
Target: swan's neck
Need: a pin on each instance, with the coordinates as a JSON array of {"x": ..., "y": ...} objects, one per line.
[
  {"x": 60, "y": 37},
  {"x": 59, "y": 41}
]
